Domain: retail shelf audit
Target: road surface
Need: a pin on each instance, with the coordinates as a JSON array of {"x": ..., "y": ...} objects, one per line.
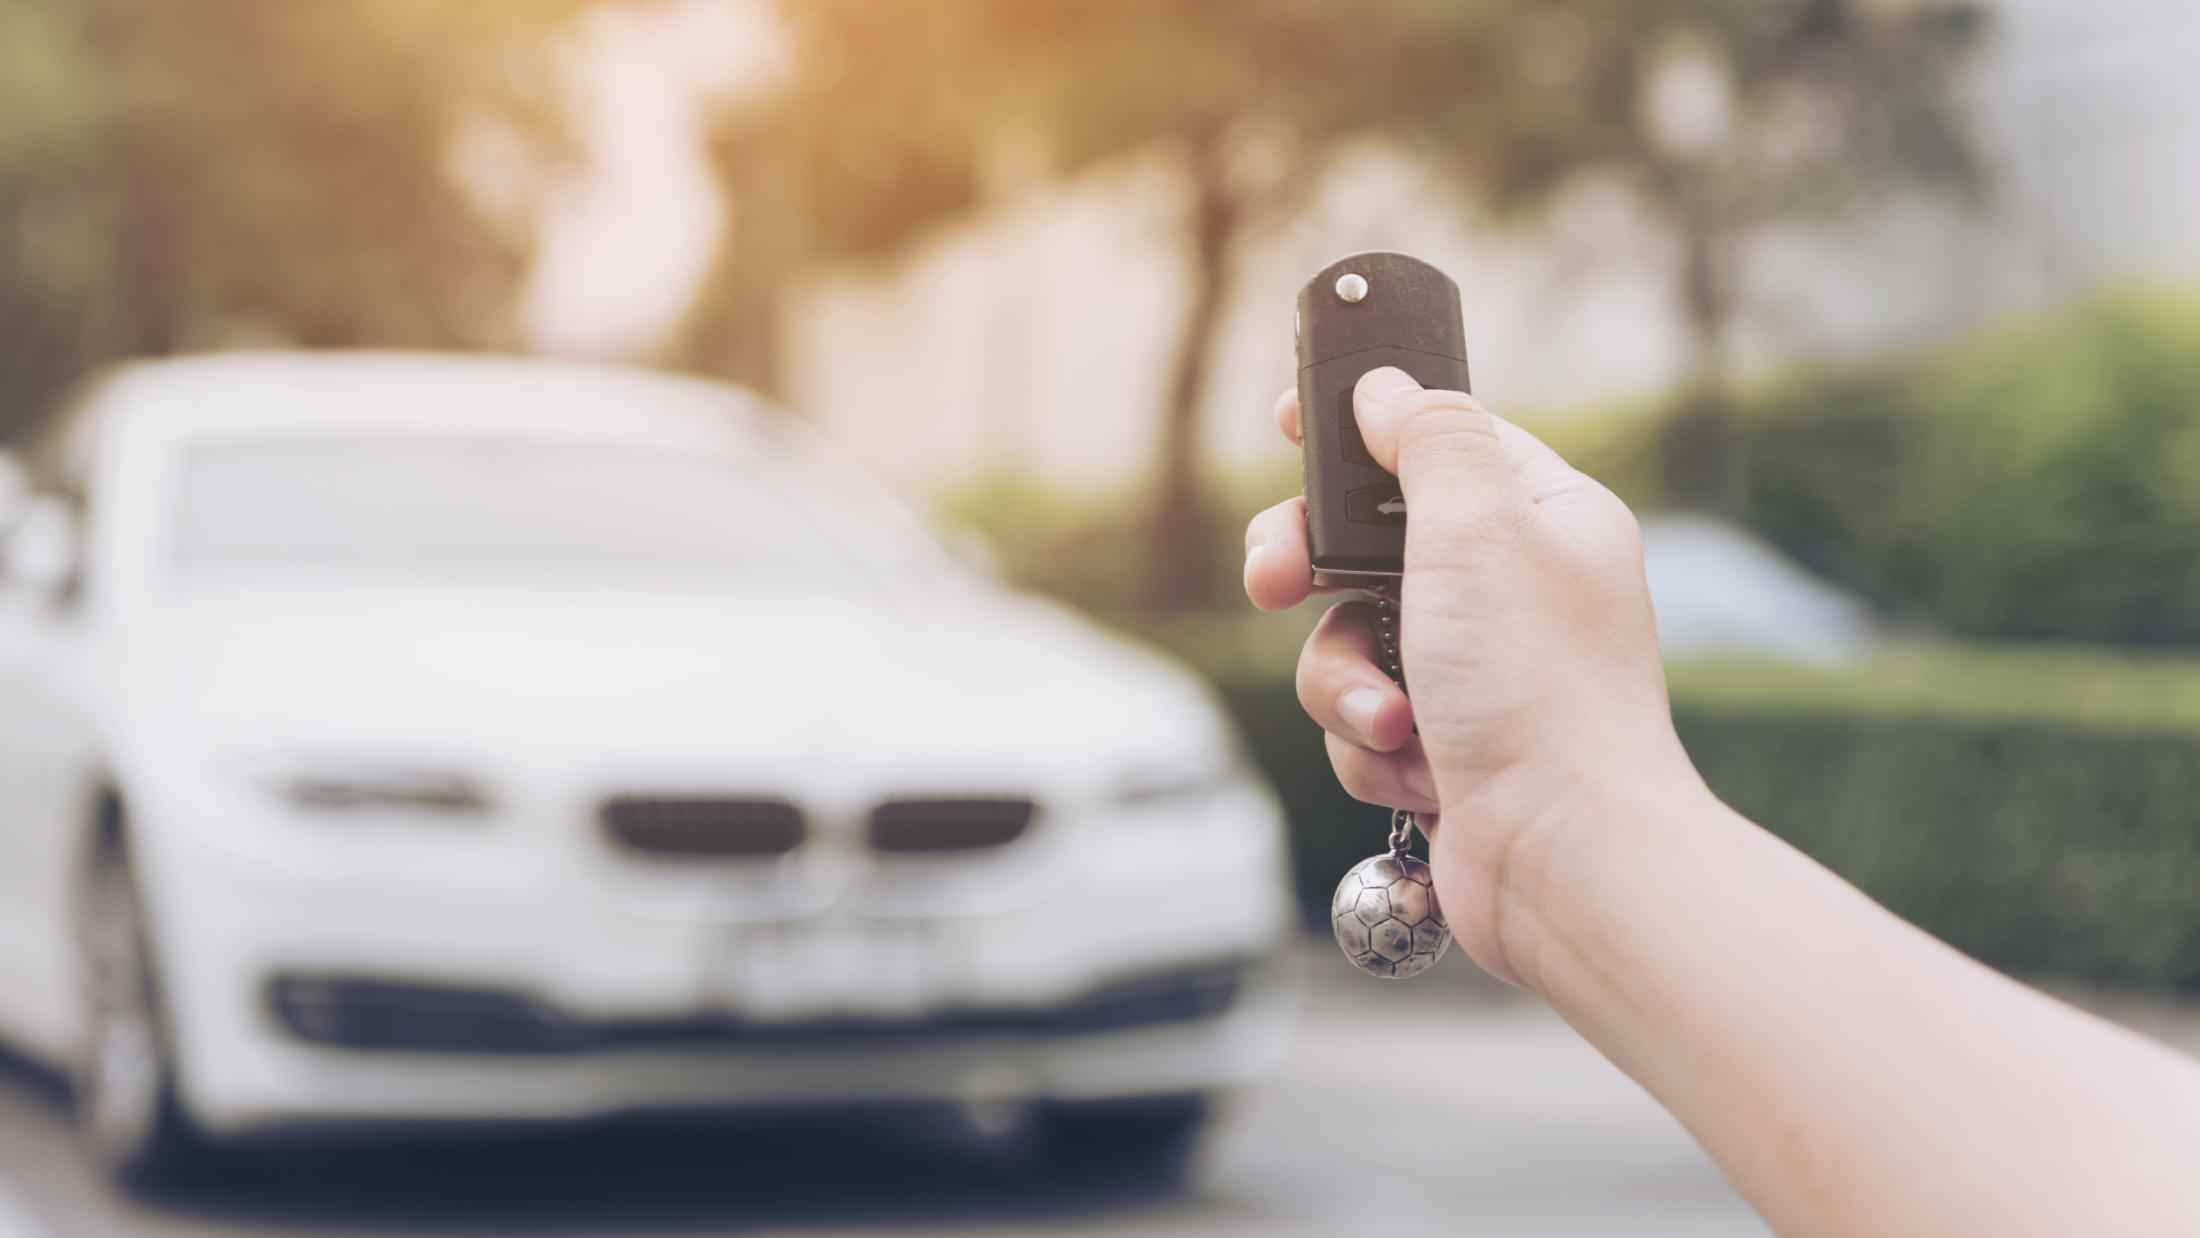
[{"x": 1447, "y": 1105}]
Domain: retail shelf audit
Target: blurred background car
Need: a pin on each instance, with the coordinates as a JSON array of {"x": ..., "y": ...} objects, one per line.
[
  {"x": 438, "y": 738},
  {"x": 1883, "y": 314}
]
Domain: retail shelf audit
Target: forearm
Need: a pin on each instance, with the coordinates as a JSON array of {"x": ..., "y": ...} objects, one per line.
[{"x": 1851, "y": 1074}]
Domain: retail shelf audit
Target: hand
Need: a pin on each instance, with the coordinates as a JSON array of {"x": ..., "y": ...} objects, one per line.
[{"x": 1527, "y": 640}]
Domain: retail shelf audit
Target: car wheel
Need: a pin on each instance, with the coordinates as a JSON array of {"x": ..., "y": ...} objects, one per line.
[
  {"x": 128, "y": 1116},
  {"x": 1156, "y": 1138}
]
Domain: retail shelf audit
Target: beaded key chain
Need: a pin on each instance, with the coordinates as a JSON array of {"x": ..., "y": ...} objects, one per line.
[{"x": 1385, "y": 912}]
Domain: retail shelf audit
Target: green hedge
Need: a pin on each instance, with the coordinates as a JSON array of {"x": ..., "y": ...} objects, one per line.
[
  {"x": 2040, "y": 812},
  {"x": 2039, "y": 482}
]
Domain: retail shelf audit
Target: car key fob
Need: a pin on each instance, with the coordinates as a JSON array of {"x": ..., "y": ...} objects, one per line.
[{"x": 1362, "y": 313}]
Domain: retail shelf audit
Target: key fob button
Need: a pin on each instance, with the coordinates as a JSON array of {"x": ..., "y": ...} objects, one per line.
[
  {"x": 1348, "y": 431},
  {"x": 1376, "y": 505}
]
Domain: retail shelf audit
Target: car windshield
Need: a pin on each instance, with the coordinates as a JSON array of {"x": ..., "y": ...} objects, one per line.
[{"x": 545, "y": 511}]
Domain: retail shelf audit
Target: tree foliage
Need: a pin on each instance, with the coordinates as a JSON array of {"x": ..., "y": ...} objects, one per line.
[
  {"x": 178, "y": 175},
  {"x": 1816, "y": 108},
  {"x": 49, "y": 251},
  {"x": 897, "y": 111}
]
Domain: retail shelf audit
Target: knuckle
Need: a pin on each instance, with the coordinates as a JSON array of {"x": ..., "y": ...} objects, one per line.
[
  {"x": 1622, "y": 529},
  {"x": 1449, "y": 421},
  {"x": 1264, "y": 535},
  {"x": 1626, "y": 526},
  {"x": 1356, "y": 773},
  {"x": 1326, "y": 660},
  {"x": 1273, "y": 526},
  {"x": 1305, "y": 680},
  {"x": 1467, "y": 533}
]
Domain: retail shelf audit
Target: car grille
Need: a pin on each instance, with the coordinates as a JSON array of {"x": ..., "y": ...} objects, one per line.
[
  {"x": 703, "y": 825},
  {"x": 917, "y": 826}
]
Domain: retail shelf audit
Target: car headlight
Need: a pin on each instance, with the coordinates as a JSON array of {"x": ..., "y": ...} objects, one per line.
[{"x": 326, "y": 788}]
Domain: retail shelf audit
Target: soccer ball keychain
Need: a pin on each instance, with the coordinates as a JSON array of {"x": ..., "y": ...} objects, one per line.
[
  {"x": 1385, "y": 912},
  {"x": 1358, "y": 314}
]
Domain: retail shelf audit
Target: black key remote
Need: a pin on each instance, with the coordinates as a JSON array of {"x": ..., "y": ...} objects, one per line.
[{"x": 1362, "y": 313}]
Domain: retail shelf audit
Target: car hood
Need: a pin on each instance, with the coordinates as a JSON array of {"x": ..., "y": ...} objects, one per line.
[{"x": 924, "y": 684}]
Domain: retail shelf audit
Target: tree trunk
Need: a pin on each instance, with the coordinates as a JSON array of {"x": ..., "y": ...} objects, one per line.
[
  {"x": 739, "y": 334},
  {"x": 1179, "y": 527},
  {"x": 151, "y": 312},
  {"x": 1701, "y": 454},
  {"x": 735, "y": 329}
]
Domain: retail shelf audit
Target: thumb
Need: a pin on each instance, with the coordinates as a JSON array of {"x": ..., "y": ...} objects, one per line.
[{"x": 1446, "y": 449}]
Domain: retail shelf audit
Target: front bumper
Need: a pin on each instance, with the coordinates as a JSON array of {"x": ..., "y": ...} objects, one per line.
[
  {"x": 705, "y": 1063},
  {"x": 318, "y": 975}
]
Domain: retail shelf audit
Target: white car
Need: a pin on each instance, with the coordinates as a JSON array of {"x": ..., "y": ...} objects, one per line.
[{"x": 391, "y": 737}]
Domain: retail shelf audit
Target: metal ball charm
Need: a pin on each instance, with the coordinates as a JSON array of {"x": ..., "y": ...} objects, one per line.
[{"x": 1386, "y": 916}]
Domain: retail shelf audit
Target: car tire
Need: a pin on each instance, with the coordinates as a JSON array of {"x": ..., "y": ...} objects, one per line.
[
  {"x": 129, "y": 1117},
  {"x": 1155, "y": 1138}
]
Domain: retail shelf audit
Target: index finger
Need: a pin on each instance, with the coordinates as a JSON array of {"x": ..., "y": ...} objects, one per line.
[{"x": 1279, "y": 570}]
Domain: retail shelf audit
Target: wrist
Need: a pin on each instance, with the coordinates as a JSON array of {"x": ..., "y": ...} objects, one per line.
[{"x": 1555, "y": 872}]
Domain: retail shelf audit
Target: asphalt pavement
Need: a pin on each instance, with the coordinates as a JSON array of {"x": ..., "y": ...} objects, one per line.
[{"x": 1448, "y": 1105}]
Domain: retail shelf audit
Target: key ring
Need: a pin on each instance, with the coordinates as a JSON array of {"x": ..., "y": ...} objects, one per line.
[{"x": 1402, "y": 825}]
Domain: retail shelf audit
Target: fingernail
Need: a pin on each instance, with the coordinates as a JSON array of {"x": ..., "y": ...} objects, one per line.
[
  {"x": 1359, "y": 708},
  {"x": 1378, "y": 387}
]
